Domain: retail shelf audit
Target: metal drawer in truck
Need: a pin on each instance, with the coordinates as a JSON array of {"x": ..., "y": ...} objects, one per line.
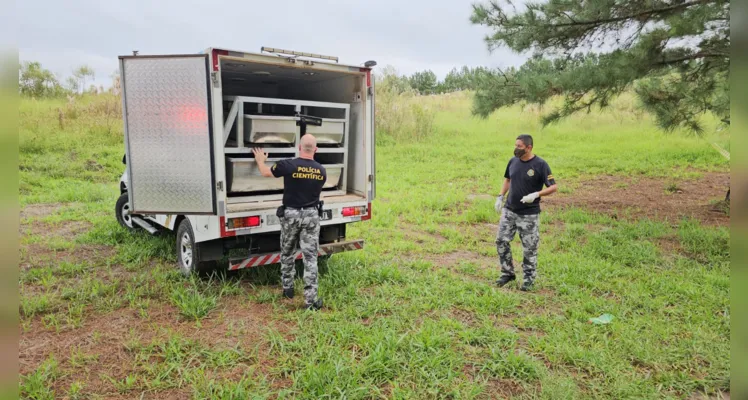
[
  {"x": 270, "y": 129},
  {"x": 244, "y": 176},
  {"x": 330, "y": 132},
  {"x": 275, "y": 129}
]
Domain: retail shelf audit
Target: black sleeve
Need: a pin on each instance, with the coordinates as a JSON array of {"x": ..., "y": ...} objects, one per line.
[
  {"x": 282, "y": 168},
  {"x": 506, "y": 172},
  {"x": 548, "y": 176}
]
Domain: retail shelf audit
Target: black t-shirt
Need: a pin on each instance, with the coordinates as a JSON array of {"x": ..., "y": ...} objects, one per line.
[
  {"x": 302, "y": 181},
  {"x": 526, "y": 177}
]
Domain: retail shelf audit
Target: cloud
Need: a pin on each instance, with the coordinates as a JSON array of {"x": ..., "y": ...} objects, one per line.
[{"x": 410, "y": 35}]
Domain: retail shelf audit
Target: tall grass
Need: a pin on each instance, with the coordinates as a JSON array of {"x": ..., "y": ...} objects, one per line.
[
  {"x": 400, "y": 113},
  {"x": 70, "y": 150}
]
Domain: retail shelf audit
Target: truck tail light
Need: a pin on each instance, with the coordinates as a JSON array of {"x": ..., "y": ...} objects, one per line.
[
  {"x": 244, "y": 222},
  {"x": 354, "y": 211}
]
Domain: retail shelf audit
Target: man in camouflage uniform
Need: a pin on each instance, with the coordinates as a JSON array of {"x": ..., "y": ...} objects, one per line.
[
  {"x": 524, "y": 178},
  {"x": 299, "y": 215}
]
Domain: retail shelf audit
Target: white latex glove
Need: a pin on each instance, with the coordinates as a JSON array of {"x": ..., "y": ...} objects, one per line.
[
  {"x": 498, "y": 204},
  {"x": 530, "y": 197}
]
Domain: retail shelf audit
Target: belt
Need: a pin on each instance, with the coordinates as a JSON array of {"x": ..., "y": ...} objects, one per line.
[{"x": 301, "y": 208}]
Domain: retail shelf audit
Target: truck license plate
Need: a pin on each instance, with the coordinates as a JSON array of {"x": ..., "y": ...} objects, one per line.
[{"x": 326, "y": 215}]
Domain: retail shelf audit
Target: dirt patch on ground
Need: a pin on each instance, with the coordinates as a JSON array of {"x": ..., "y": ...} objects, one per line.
[
  {"x": 670, "y": 245},
  {"x": 44, "y": 243},
  {"x": 466, "y": 317},
  {"x": 38, "y": 255},
  {"x": 67, "y": 230},
  {"x": 654, "y": 198},
  {"x": 39, "y": 210},
  {"x": 495, "y": 388},
  {"x": 454, "y": 258},
  {"x": 504, "y": 388},
  {"x": 715, "y": 396},
  {"x": 420, "y": 236},
  {"x": 42, "y": 231},
  {"x": 105, "y": 346}
]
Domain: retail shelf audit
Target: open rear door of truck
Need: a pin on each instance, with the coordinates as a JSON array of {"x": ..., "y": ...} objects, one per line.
[
  {"x": 372, "y": 138},
  {"x": 168, "y": 134}
]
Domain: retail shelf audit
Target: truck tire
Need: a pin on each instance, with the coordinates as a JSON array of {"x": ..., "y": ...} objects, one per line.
[
  {"x": 122, "y": 212},
  {"x": 188, "y": 252}
]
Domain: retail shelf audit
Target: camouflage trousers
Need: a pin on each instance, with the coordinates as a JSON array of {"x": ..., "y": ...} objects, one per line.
[
  {"x": 300, "y": 226},
  {"x": 529, "y": 234}
]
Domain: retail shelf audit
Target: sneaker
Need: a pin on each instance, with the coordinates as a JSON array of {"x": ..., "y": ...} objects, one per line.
[
  {"x": 288, "y": 293},
  {"x": 526, "y": 287},
  {"x": 505, "y": 279},
  {"x": 316, "y": 306}
]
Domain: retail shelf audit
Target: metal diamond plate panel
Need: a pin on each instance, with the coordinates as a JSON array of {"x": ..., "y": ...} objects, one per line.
[{"x": 166, "y": 100}]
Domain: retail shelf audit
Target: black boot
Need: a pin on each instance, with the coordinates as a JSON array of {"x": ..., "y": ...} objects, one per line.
[
  {"x": 505, "y": 279},
  {"x": 288, "y": 293},
  {"x": 526, "y": 286},
  {"x": 316, "y": 306}
]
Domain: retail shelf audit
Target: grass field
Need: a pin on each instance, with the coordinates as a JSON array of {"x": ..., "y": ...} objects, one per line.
[{"x": 633, "y": 232}]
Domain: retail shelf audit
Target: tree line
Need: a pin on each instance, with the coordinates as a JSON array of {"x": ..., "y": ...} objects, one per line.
[
  {"x": 426, "y": 82},
  {"x": 37, "y": 81}
]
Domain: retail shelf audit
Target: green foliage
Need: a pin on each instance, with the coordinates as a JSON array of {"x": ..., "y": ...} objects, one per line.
[
  {"x": 466, "y": 78},
  {"x": 424, "y": 82},
  {"x": 37, "y": 385},
  {"x": 77, "y": 82},
  {"x": 675, "y": 55},
  {"x": 399, "y": 113},
  {"x": 35, "y": 81}
]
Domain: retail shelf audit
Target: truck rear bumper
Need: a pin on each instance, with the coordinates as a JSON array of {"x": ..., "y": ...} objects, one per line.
[{"x": 274, "y": 258}]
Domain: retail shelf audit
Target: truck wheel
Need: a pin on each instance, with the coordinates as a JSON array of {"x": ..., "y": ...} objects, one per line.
[
  {"x": 188, "y": 252},
  {"x": 122, "y": 211}
]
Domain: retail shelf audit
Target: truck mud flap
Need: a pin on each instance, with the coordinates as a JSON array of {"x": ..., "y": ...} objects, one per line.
[{"x": 274, "y": 258}]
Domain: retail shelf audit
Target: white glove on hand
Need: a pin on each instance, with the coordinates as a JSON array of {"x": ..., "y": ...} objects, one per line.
[
  {"x": 498, "y": 204},
  {"x": 530, "y": 197}
]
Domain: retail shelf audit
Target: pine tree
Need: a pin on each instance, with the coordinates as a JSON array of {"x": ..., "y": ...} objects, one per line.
[
  {"x": 674, "y": 54},
  {"x": 424, "y": 82}
]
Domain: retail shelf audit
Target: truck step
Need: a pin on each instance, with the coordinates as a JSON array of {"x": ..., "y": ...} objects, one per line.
[{"x": 143, "y": 224}]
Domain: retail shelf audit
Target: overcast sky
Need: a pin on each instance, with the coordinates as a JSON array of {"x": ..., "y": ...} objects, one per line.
[{"x": 411, "y": 35}]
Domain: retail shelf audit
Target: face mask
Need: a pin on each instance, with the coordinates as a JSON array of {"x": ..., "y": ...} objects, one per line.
[{"x": 519, "y": 152}]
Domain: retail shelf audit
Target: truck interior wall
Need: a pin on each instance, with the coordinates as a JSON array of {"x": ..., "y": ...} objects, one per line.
[
  {"x": 238, "y": 89},
  {"x": 346, "y": 88},
  {"x": 356, "y": 151},
  {"x": 343, "y": 90}
]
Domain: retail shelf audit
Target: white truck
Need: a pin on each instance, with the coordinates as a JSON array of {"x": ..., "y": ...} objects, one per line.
[{"x": 190, "y": 123}]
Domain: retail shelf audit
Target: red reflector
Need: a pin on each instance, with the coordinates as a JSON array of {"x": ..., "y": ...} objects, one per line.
[
  {"x": 368, "y": 75},
  {"x": 253, "y": 221},
  {"x": 216, "y": 53},
  {"x": 368, "y": 213}
]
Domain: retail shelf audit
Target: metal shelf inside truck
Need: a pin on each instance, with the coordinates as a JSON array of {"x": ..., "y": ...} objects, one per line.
[{"x": 279, "y": 135}]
